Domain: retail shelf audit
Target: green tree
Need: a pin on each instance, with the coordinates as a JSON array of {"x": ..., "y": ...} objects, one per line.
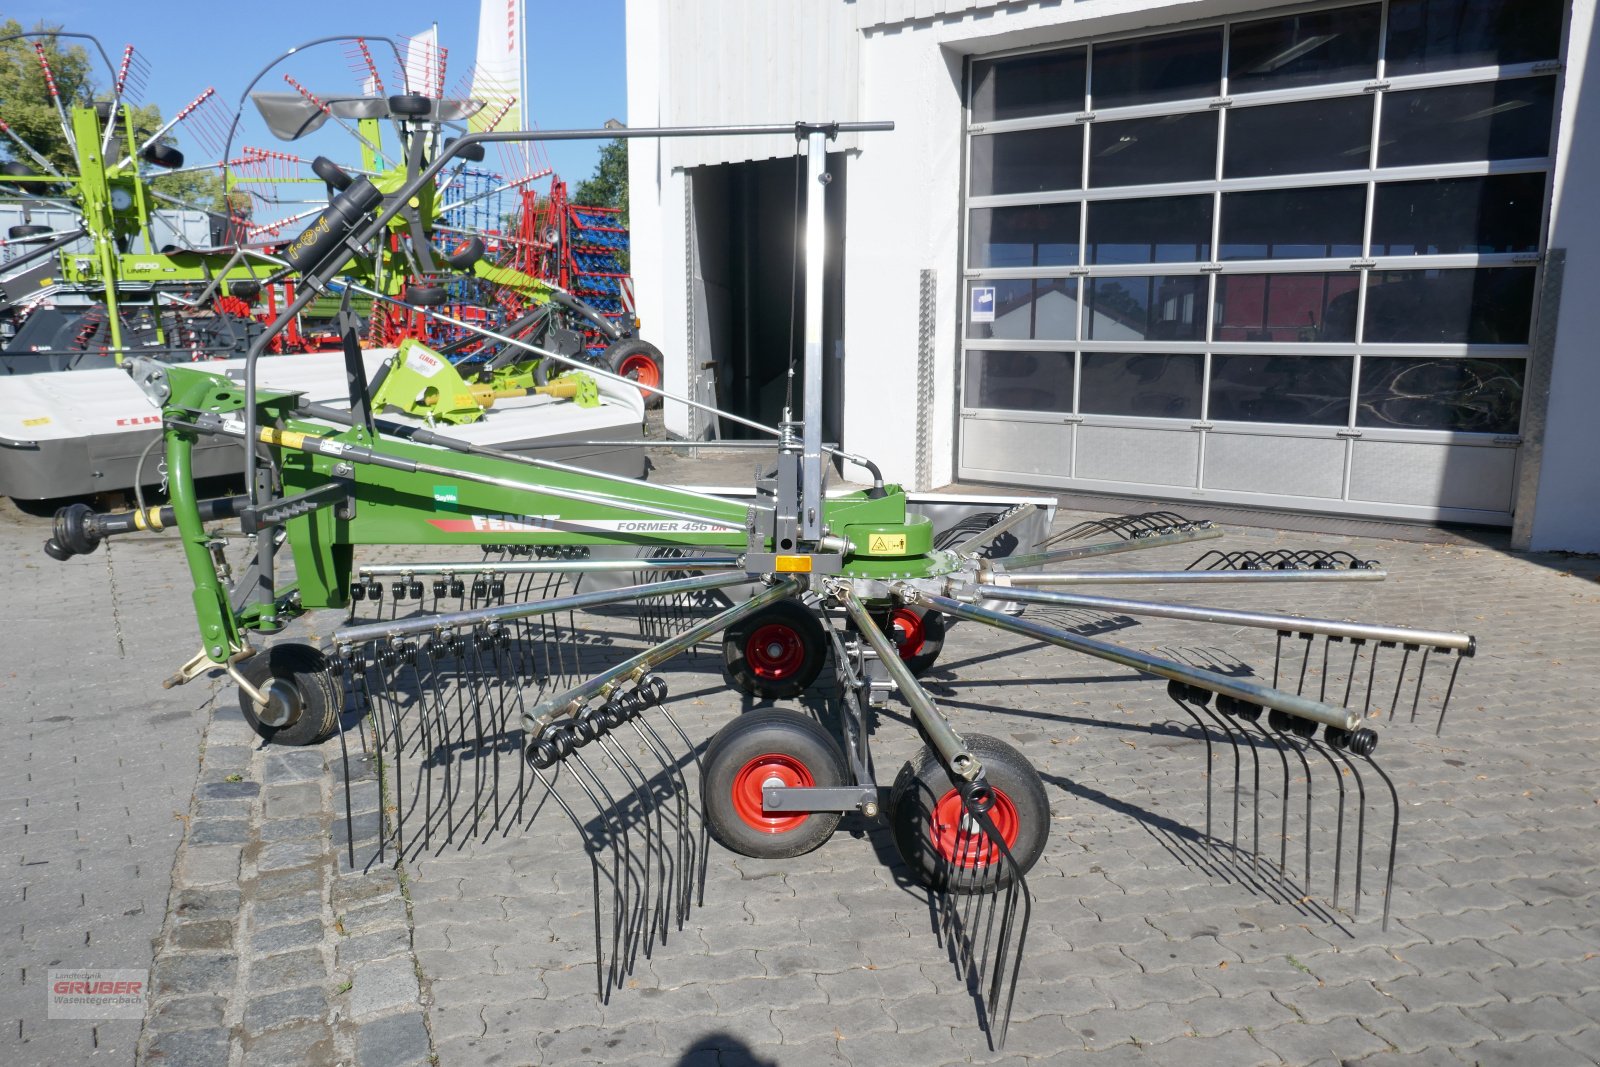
[
  {"x": 26, "y": 107},
  {"x": 608, "y": 185}
]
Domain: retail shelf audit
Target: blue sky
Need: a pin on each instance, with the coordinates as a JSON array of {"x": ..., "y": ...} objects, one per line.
[{"x": 577, "y": 62}]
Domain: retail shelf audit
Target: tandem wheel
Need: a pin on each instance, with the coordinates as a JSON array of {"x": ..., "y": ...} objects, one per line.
[
  {"x": 304, "y": 695},
  {"x": 772, "y": 746},
  {"x": 775, "y": 653},
  {"x": 925, "y": 814},
  {"x": 919, "y": 635}
]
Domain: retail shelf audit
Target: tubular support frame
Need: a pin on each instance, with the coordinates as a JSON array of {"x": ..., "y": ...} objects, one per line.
[
  {"x": 1108, "y": 548},
  {"x": 1189, "y": 577},
  {"x": 539, "y": 718},
  {"x": 392, "y": 628},
  {"x": 1289, "y": 703},
  {"x": 1463, "y": 643},
  {"x": 941, "y": 735},
  {"x": 553, "y": 566}
]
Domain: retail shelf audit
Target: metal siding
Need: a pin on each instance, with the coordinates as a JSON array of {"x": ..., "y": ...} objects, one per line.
[{"x": 732, "y": 62}]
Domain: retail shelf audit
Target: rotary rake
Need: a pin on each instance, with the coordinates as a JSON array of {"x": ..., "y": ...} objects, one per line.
[{"x": 476, "y": 695}]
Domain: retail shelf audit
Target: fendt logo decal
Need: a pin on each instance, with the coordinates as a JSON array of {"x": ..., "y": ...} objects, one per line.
[{"x": 544, "y": 523}]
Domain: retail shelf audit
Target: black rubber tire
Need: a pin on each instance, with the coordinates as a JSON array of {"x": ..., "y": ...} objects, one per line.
[
  {"x": 247, "y": 291},
  {"x": 12, "y": 169},
  {"x": 933, "y": 626},
  {"x": 465, "y": 253},
  {"x": 163, "y": 155},
  {"x": 779, "y": 732},
  {"x": 758, "y": 682},
  {"x": 923, "y": 781},
  {"x": 426, "y": 296},
  {"x": 305, "y": 671},
  {"x": 472, "y": 153},
  {"x": 330, "y": 172},
  {"x": 17, "y": 233},
  {"x": 620, "y": 353},
  {"x": 410, "y": 105}
]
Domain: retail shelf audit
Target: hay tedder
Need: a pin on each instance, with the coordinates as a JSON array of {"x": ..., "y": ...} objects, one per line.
[{"x": 463, "y": 680}]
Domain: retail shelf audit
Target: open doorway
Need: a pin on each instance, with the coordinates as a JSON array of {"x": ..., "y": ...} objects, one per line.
[{"x": 749, "y": 289}]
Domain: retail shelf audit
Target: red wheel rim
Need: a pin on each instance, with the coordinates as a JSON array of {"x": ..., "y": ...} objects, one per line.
[
  {"x": 775, "y": 651},
  {"x": 909, "y": 623},
  {"x": 976, "y": 848},
  {"x": 774, "y": 769},
  {"x": 642, "y": 369}
]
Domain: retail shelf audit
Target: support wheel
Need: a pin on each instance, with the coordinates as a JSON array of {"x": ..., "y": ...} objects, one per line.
[
  {"x": 304, "y": 695},
  {"x": 779, "y": 746},
  {"x": 640, "y": 361},
  {"x": 919, "y": 635},
  {"x": 925, "y": 813},
  {"x": 775, "y": 653}
]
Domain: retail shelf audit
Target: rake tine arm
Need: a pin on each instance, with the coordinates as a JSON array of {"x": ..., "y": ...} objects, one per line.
[
  {"x": 1106, "y": 548},
  {"x": 1256, "y": 577}
]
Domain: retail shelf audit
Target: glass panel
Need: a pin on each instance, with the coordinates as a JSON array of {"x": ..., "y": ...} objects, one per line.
[
  {"x": 1311, "y": 49},
  {"x": 1157, "y": 387},
  {"x": 1310, "y": 390},
  {"x": 1459, "y": 123},
  {"x": 1493, "y": 306},
  {"x": 1445, "y": 216},
  {"x": 1429, "y": 35},
  {"x": 1019, "y": 381},
  {"x": 1147, "y": 309},
  {"x": 1466, "y": 395},
  {"x": 1033, "y": 236},
  {"x": 1042, "y": 83},
  {"x": 1025, "y": 309},
  {"x": 1027, "y": 161},
  {"x": 1145, "y": 70},
  {"x": 1308, "y": 308},
  {"x": 1300, "y": 138},
  {"x": 1171, "y": 229},
  {"x": 1172, "y": 148},
  {"x": 1294, "y": 223}
]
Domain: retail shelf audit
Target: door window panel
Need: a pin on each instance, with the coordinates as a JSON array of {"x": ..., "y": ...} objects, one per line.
[
  {"x": 1294, "y": 223},
  {"x": 1028, "y": 309},
  {"x": 1283, "y": 308},
  {"x": 1142, "y": 385},
  {"x": 1017, "y": 87},
  {"x": 1447, "y": 216},
  {"x": 1308, "y": 49},
  {"x": 1461, "y": 123},
  {"x": 1463, "y": 395},
  {"x": 1171, "y": 148},
  {"x": 1147, "y": 70},
  {"x": 1019, "y": 381},
  {"x": 1490, "y": 306},
  {"x": 1146, "y": 309},
  {"x": 1310, "y": 390},
  {"x": 1305, "y": 137},
  {"x": 1170, "y": 229},
  {"x": 1428, "y": 35},
  {"x": 1027, "y": 161},
  {"x": 1039, "y": 235}
]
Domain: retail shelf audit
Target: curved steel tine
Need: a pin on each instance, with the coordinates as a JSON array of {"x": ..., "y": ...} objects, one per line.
[
  {"x": 1305, "y": 661},
  {"x": 1277, "y": 656},
  {"x": 704, "y": 839},
  {"x": 1238, "y": 770},
  {"x": 644, "y": 798},
  {"x": 594, "y": 873},
  {"x": 1283, "y": 828},
  {"x": 1338, "y": 841},
  {"x": 1322, "y": 693},
  {"x": 1372, "y": 677},
  {"x": 471, "y": 680},
  {"x": 621, "y": 874},
  {"x": 1422, "y": 672},
  {"x": 1361, "y": 821},
  {"x": 635, "y": 914},
  {"x": 1449, "y": 690},
  {"x": 680, "y": 792},
  {"x": 1394, "y": 840},
  {"x": 1350, "y": 677},
  {"x": 1205, "y": 735},
  {"x": 1400, "y": 681},
  {"x": 1017, "y": 890},
  {"x": 1298, "y": 751}
]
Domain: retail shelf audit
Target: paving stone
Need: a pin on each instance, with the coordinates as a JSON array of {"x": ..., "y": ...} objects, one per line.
[
  {"x": 293, "y": 766},
  {"x": 289, "y": 968},
  {"x": 230, "y": 790},
  {"x": 296, "y": 908},
  {"x": 283, "y": 854},
  {"x": 381, "y": 985},
  {"x": 278, "y": 884},
  {"x": 304, "y": 1043},
  {"x": 209, "y": 865},
  {"x": 1543, "y": 1051},
  {"x": 1545, "y": 1015},
  {"x": 394, "y": 1041},
  {"x": 208, "y": 831},
  {"x": 214, "y": 934},
  {"x": 187, "y": 1013},
  {"x": 265, "y": 942},
  {"x": 308, "y": 1003},
  {"x": 1361, "y": 1000},
  {"x": 361, "y": 948},
  {"x": 289, "y": 829},
  {"x": 1440, "y": 1028},
  {"x": 301, "y": 798},
  {"x": 1335, "y": 1041},
  {"x": 189, "y": 1048},
  {"x": 193, "y": 973}
]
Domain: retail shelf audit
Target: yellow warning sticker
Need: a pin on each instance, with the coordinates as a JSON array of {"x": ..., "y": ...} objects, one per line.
[
  {"x": 42, "y": 420},
  {"x": 886, "y": 544}
]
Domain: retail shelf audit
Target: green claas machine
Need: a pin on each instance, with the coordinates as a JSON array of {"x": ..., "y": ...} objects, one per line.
[{"x": 453, "y": 670}]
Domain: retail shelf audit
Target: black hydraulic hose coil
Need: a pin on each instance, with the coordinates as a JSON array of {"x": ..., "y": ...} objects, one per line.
[{"x": 318, "y": 248}]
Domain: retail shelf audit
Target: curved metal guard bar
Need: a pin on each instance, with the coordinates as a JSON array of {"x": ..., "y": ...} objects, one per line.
[
  {"x": 1165, "y": 668},
  {"x": 1463, "y": 643},
  {"x": 1107, "y": 548}
]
